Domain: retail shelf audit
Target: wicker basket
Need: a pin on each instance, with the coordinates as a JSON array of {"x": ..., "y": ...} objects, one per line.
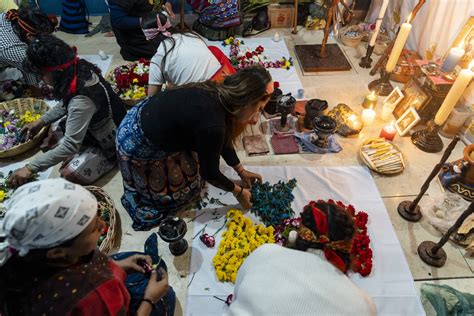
[
  {"x": 112, "y": 239},
  {"x": 21, "y": 106},
  {"x": 351, "y": 41},
  {"x": 129, "y": 102},
  {"x": 372, "y": 167}
]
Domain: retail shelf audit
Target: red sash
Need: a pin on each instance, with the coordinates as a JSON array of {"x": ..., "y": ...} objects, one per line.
[{"x": 226, "y": 67}]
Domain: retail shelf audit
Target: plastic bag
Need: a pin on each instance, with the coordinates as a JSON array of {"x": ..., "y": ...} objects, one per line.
[{"x": 442, "y": 212}]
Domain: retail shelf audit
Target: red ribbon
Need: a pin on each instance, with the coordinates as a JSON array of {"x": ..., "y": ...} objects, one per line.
[
  {"x": 322, "y": 226},
  {"x": 73, "y": 62}
]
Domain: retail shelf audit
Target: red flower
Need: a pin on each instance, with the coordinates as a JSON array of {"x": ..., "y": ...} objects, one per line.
[
  {"x": 276, "y": 85},
  {"x": 361, "y": 219},
  {"x": 248, "y": 54}
]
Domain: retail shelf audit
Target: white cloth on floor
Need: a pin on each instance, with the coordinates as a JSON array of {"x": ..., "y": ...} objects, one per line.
[
  {"x": 266, "y": 286},
  {"x": 390, "y": 285}
]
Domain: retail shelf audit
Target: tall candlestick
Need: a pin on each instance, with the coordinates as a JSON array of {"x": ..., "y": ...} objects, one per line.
[
  {"x": 378, "y": 23},
  {"x": 454, "y": 94},
  {"x": 454, "y": 57},
  {"x": 398, "y": 46}
]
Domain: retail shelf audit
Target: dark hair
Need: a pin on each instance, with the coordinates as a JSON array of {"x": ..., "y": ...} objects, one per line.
[
  {"x": 149, "y": 21},
  {"x": 50, "y": 51},
  {"x": 246, "y": 87},
  {"x": 34, "y": 18},
  {"x": 340, "y": 227},
  {"x": 16, "y": 279}
]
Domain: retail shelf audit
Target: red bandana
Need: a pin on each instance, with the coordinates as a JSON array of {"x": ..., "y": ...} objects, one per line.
[{"x": 73, "y": 86}]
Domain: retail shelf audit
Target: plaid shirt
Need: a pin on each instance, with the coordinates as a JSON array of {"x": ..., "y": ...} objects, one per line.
[{"x": 13, "y": 50}]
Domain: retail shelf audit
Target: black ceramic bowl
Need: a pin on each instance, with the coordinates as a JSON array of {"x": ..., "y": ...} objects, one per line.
[{"x": 172, "y": 229}]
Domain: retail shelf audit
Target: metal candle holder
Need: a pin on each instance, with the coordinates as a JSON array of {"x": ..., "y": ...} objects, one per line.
[
  {"x": 286, "y": 105},
  {"x": 172, "y": 231},
  {"x": 432, "y": 253},
  {"x": 428, "y": 139},
  {"x": 366, "y": 61},
  {"x": 382, "y": 86},
  {"x": 410, "y": 210}
]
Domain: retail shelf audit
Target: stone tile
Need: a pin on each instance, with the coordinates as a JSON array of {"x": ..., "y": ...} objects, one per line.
[{"x": 411, "y": 235}]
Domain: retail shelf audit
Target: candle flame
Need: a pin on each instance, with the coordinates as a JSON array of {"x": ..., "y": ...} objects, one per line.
[
  {"x": 372, "y": 93},
  {"x": 461, "y": 45},
  {"x": 409, "y": 17}
]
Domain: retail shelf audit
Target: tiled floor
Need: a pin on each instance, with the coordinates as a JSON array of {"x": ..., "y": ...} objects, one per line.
[{"x": 346, "y": 88}]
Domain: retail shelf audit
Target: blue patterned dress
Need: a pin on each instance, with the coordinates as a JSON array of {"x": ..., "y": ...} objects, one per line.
[{"x": 155, "y": 181}]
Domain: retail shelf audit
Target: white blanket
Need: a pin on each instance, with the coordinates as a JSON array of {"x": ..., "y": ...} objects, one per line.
[
  {"x": 390, "y": 284},
  {"x": 288, "y": 79}
]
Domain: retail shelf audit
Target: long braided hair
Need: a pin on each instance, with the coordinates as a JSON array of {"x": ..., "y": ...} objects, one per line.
[
  {"x": 50, "y": 51},
  {"x": 31, "y": 22}
]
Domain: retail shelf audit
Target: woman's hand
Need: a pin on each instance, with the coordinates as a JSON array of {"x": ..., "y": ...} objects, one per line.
[
  {"x": 169, "y": 9},
  {"x": 32, "y": 129},
  {"x": 20, "y": 177},
  {"x": 249, "y": 178},
  {"x": 131, "y": 265},
  {"x": 157, "y": 285},
  {"x": 245, "y": 199}
]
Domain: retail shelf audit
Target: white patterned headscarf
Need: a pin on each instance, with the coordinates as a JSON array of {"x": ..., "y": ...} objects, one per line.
[{"x": 45, "y": 214}]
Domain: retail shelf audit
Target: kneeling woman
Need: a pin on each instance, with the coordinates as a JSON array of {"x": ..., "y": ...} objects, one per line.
[
  {"x": 93, "y": 112},
  {"x": 182, "y": 57},
  {"x": 50, "y": 265},
  {"x": 159, "y": 137}
]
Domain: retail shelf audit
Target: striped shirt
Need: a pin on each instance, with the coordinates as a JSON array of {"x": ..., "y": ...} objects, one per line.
[{"x": 13, "y": 50}]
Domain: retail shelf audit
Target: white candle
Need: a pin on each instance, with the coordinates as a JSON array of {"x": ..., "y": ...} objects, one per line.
[
  {"x": 387, "y": 111},
  {"x": 454, "y": 57},
  {"x": 398, "y": 46},
  {"x": 276, "y": 37},
  {"x": 454, "y": 94},
  {"x": 378, "y": 23},
  {"x": 368, "y": 116}
]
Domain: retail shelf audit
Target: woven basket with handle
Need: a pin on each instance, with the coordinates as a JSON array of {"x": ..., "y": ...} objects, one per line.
[
  {"x": 109, "y": 77},
  {"x": 112, "y": 239},
  {"x": 20, "y": 106}
]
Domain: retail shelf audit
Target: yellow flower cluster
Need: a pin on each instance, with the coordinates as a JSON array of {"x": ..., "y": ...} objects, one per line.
[
  {"x": 241, "y": 238},
  {"x": 29, "y": 117},
  {"x": 287, "y": 64},
  {"x": 3, "y": 195},
  {"x": 135, "y": 93}
]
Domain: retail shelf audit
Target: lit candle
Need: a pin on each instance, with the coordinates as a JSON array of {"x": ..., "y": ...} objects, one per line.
[
  {"x": 354, "y": 122},
  {"x": 368, "y": 116},
  {"x": 399, "y": 45},
  {"x": 370, "y": 100},
  {"x": 379, "y": 22},
  {"x": 388, "y": 132},
  {"x": 387, "y": 111},
  {"x": 454, "y": 94},
  {"x": 454, "y": 57}
]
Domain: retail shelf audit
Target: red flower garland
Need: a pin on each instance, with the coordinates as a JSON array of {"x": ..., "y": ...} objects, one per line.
[{"x": 361, "y": 253}]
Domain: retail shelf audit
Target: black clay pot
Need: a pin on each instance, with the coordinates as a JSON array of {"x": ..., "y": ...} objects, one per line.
[
  {"x": 286, "y": 105},
  {"x": 324, "y": 126},
  {"x": 272, "y": 105},
  {"x": 172, "y": 231},
  {"x": 313, "y": 108}
]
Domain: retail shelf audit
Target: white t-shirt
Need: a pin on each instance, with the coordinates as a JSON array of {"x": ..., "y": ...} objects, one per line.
[
  {"x": 189, "y": 61},
  {"x": 274, "y": 280}
]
